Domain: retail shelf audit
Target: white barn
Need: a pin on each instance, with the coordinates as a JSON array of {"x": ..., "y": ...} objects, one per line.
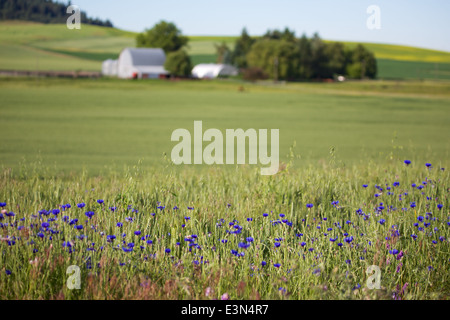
[
  {"x": 212, "y": 70},
  {"x": 141, "y": 63},
  {"x": 109, "y": 68}
]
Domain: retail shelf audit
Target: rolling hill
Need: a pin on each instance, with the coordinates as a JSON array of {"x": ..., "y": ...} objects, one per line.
[{"x": 35, "y": 46}]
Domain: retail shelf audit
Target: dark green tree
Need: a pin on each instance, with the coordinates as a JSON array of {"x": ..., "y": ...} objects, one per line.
[
  {"x": 363, "y": 63},
  {"x": 286, "y": 35},
  {"x": 163, "y": 35},
  {"x": 178, "y": 63},
  {"x": 241, "y": 48},
  {"x": 277, "y": 58},
  {"x": 318, "y": 60},
  {"x": 337, "y": 58},
  {"x": 304, "y": 59},
  {"x": 47, "y": 11},
  {"x": 223, "y": 53}
]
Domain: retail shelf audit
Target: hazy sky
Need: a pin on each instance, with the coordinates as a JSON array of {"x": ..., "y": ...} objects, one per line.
[{"x": 421, "y": 23}]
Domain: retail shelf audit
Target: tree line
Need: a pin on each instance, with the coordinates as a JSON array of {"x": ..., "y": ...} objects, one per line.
[
  {"x": 281, "y": 55},
  {"x": 44, "y": 11},
  {"x": 278, "y": 55}
]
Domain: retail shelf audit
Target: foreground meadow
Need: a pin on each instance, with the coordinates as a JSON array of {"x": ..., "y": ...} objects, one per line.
[{"x": 306, "y": 233}]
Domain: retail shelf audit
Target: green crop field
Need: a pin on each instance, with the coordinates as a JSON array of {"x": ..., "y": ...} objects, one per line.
[{"x": 99, "y": 123}]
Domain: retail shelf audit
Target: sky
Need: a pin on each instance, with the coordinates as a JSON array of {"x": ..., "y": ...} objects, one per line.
[{"x": 418, "y": 23}]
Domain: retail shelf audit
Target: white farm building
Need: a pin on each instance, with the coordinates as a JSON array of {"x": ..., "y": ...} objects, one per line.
[
  {"x": 137, "y": 63},
  {"x": 109, "y": 68},
  {"x": 212, "y": 70}
]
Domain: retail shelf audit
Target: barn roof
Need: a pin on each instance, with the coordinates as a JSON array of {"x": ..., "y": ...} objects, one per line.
[{"x": 146, "y": 56}]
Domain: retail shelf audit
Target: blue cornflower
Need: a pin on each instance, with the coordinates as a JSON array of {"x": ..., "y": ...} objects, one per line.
[
  {"x": 100, "y": 201},
  {"x": 407, "y": 162},
  {"x": 89, "y": 214},
  {"x": 309, "y": 205},
  {"x": 244, "y": 245},
  {"x": 81, "y": 205}
]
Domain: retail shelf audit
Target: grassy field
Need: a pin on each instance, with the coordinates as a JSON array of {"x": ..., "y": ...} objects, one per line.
[
  {"x": 71, "y": 124},
  {"x": 33, "y": 46},
  {"x": 308, "y": 233},
  {"x": 74, "y": 193}
]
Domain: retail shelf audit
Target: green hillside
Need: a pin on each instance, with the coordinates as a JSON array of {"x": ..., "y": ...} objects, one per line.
[{"x": 35, "y": 46}]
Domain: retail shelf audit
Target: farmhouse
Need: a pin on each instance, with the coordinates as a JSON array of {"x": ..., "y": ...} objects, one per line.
[
  {"x": 141, "y": 63},
  {"x": 211, "y": 70}
]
